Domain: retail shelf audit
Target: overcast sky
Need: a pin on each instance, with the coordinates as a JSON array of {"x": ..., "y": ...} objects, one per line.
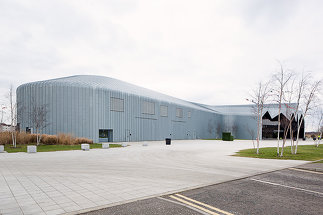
[{"x": 211, "y": 52}]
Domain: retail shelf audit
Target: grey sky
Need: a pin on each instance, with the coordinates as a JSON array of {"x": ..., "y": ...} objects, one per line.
[{"x": 209, "y": 52}]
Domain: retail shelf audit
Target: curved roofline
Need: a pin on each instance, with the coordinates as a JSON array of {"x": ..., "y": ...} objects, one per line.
[{"x": 115, "y": 85}]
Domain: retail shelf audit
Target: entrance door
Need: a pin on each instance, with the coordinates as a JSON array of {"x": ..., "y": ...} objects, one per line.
[
  {"x": 194, "y": 135},
  {"x": 127, "y": 135},
  {"x": 105, "y": 135},
  {"x": 110, "y": 135}
]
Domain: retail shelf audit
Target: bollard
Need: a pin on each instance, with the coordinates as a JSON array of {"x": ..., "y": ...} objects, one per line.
[
  {"x": 1, "y": 148},
  {"x": 85, "y": 147},
  {"x": 31, "y": 149},
  {"x": 105, "y": 145}
]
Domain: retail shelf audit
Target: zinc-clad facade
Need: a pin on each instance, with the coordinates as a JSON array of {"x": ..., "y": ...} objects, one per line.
[{"x": 90, "y": 106}]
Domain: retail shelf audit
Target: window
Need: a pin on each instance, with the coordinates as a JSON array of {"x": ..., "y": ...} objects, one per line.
[
  {"x": 116, "y": 104},
  {"x": 179, "y": 112},
  {"x": 189, "y": 114},
  {"x": 148, "y": 107},
  {"x": 163, "y": 110},
  {"x": 103, "y": 133}
]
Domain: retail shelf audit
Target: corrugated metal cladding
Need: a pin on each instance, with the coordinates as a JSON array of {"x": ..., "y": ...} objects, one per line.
[{"x": 106, "y": 109}]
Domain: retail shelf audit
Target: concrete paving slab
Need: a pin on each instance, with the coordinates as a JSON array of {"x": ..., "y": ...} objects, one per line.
[
  {"x": 127, "y": 173},
  {"x": 318, "y": 167}
]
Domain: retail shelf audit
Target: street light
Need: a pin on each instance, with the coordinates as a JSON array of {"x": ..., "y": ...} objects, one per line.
[{"x": 2, "y": 110}]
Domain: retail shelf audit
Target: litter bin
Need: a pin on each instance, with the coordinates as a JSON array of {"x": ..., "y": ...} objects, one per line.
[{"x": 168, "y": 141}]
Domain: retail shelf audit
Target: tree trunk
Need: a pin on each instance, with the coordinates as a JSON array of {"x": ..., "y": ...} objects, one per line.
[
  {"x": 38, "y": 136},
  {"x": 38, "y": 139},
  {"x": 258, "y": 129},
  {"x": 13, "y": 137},
  {"x": 278, "y": 133},
  {"x": 282, "y": 151},
  {"x": 260, "y": 125},
  {"x": 297, "y": 137},
  {"x": 291, "y": 139}
]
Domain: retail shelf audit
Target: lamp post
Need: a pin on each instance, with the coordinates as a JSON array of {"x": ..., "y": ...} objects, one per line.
[{"x": 2, "y": 110}]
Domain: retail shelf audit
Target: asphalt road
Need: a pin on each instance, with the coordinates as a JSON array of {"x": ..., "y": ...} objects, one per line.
[{"x": 296, "y": 190}]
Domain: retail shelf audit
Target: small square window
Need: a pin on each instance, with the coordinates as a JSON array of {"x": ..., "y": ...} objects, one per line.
[
  {"x": 179, "y": 112},
  {"x": 116, "y": 104},
  {"x": 148, "y": 107},
  {"x": 163, "y": 110}
]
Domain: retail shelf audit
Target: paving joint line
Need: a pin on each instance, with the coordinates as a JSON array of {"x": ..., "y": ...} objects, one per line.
[
  {"x": 45, "y": 194},
  {"x": 64, "y": 194},
  {"x": 12, "y": 194},
  {"x": 59, "y": 192},
  {"x": 76, "y": 192},
  {"x": 171, "y": 192},
  {"x": 29, "y": 193}
]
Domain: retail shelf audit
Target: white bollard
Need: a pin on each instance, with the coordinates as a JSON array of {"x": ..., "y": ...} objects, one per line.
[
  {"x": 105, "y": 145},
  {"x": 85, "y": 147},
  {"x": 124, "y": 144},
  {"x": 1, "y": 148},
  {"x": 145, "y": 144},
  {"x": 31, "y": 149}
]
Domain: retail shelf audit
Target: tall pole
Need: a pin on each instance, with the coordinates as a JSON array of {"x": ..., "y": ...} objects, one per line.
[{"x": 2, "y": 108}]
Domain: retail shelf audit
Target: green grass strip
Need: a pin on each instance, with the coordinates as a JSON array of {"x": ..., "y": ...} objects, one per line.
[
  {"x": 304, "y": 152},
  {"x": 51, "y": 148}
]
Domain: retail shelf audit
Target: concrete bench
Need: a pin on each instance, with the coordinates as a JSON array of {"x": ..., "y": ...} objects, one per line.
[
  {"x": 145, "y": 144},
  {"x": 1, "y": 148},
  {"x": 85, "y": 147},
  {"x": 124, "y": 144},
  {"x": 105, "y": 145},
  {"x": 31, "y": 149}
]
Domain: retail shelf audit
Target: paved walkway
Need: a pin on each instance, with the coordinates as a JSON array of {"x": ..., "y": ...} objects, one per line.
[{"x": 70, "y": 181}]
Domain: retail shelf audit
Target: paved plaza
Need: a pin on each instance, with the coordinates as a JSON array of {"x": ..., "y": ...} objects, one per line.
[{"x": 77, "y": 181}]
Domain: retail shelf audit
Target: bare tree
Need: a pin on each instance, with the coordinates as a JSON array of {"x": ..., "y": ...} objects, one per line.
[
  {"x": 310, "y": 96},
  {"x": 259, "y": 97},
  {"x": 252, "y": 135},
  {"x": 281, "y": 78},
  {"x": 285, "y": 123},
  {"x": 319, "y": 127},
  {"x": 287, "y": 120},
  {"x": 38, "y": 117},
  {"x": 13, "y": 116},
  {"x": 302, "y": 83}
]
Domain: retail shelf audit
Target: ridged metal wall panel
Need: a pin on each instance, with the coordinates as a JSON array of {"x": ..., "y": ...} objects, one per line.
[{"x": 80, "y": 105}]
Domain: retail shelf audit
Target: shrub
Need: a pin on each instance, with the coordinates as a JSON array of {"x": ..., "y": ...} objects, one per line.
[
  {"x": 82, "y": 140},
  {"x": 5, "y": 138},
  {"x": 49, "y": 139},
  {"x": 33, "y": 138},
  {"x": 65, "y": 139},
  {"x": 25, "y": 138},
  {"x": 226, "y": 136}
]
